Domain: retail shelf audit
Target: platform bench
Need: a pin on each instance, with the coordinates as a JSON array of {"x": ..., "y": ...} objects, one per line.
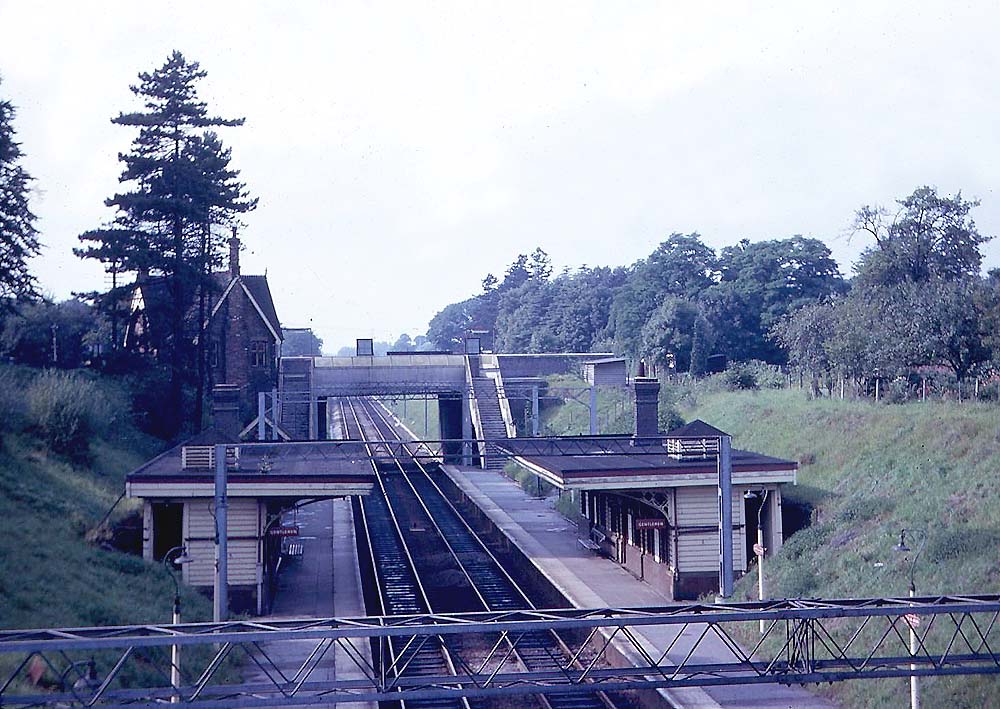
[{"x": 589, "y": 544}]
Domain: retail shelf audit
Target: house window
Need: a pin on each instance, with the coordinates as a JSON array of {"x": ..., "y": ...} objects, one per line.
[
  {"x": 259, "y": 358},
  {"x": 213, "y": 355}
]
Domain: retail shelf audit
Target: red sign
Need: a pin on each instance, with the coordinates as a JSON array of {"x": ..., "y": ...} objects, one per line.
[
  {"x": 912, "y": 619},
  {"x": 758, "y": 550},
  {"x": 653, "y": 523},
  {"x": 292, "y": 531}
]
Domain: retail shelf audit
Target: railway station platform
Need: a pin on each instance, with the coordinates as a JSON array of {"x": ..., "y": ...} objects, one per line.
[
  {"x": 323, "y": 581},
  {"x": 587, "y": 580}
]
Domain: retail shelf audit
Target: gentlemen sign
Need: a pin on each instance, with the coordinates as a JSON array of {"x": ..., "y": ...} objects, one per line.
[{"x": 657, "y": 523}]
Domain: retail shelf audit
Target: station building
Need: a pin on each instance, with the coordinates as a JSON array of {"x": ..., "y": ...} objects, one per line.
[
  {"x": 656, "y": 511},
  {"x": 264, "y": 481}
]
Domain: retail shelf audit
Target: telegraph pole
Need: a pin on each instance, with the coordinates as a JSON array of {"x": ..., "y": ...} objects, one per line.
[
  {"x": 725, "y": 517},
  {"x": 221, "y": 595}
]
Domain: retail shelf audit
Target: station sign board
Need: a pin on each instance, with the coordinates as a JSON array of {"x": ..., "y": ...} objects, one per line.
[
  {"x": 285, "y": 531},
  {"x": 651, "y": 523}
]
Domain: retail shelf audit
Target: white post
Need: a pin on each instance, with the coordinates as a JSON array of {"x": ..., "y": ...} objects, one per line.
[
  {"x": 175, "y": 658},
  {"x": 593, "y": 410},
  {"x": 275, "y": 414},
  {"x": 760, "y": 565},
  {"x": 261, "y": 409},
  {"x": 914, "y": 680}
]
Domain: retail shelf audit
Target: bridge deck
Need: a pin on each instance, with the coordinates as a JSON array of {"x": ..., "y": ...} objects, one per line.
[{"x": 590, "y": 581}]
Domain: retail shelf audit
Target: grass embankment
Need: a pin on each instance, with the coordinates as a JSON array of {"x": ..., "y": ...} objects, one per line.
[
  {"x": 421, "y": 417},
  {"x": 867, "y": 470},
  {"x": 51, "y": 502}
]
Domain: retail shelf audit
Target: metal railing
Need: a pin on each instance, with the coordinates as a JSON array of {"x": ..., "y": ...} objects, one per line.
[{"x": 805, "y": 641}]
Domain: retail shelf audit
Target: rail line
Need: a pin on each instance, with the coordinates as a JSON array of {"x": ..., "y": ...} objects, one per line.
[
  {"x": 399, "y": 589},
  {"x": 494, "y": 588}
]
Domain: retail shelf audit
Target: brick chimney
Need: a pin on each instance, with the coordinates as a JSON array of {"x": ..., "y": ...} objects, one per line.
[
  {"x": 226, "y": 410},
  {"x": 234, "y": 255},
  {"x": 647, "y": 410}
]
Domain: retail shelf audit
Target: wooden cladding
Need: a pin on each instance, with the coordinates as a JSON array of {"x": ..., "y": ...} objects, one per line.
[{"x": 686, "y": 448}]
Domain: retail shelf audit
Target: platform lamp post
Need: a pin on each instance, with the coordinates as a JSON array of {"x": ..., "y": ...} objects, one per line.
[
  {"x": 903, "y": 548},
  {"x": 180, "y": 552},
  {"x": 759, "y": 548}
]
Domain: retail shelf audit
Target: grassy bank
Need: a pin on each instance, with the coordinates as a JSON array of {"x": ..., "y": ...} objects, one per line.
[
  {"x": 421, "y": 417},
  {"x": 51, "y": 502},
  {"x": 868, "y": 470}
]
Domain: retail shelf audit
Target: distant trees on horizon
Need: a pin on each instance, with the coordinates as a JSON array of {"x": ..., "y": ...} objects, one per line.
[{"x": 916, "y": 299}]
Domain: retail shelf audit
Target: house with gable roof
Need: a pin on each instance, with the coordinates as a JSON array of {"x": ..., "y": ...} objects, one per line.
[{"x": 243, "y": 334}]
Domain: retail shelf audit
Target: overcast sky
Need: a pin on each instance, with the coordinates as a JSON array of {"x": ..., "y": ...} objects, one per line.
[{"x": 401, "y": 151}]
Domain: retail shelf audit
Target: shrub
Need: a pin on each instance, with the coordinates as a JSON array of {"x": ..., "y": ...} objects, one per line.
[
  {"x": 66, "y": 409},
  {"x": 753, "y": 375}
]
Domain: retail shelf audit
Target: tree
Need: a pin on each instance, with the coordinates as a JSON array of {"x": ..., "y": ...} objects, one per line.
[
  {"x": 180, "y": 191},
  {"x": 761, "y": 283},
  {"x": 931, "y": 237},
  {"x": 18, "y": 236},
  {"x": 949, "y": 324},
  {"x": 668, "y": 335},
  {"x": 47, "y": 334},
  {"x": 681, "y": 266},
  {"x": 447, "y": 329},
  {"x": 699, "y": 348}
]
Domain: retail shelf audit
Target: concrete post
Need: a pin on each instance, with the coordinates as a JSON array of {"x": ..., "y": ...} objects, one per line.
[
  {"x": 466, "y": 430},
  {"x": 593, "y": 410},
  {"x": 725, "y": 517},
  {"x": 261, "y": 409},
  {"x": 221, "y": 594},
  {"x": 534, "y": 410},
  {"x": 313, "y": 418},
  {"x": 275, "y": 413}
]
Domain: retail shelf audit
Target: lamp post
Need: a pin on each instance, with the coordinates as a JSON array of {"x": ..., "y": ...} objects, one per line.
[
  {"x": 175, "y": 650},
  {"x": 759, "y": 547},
  {"x": 902, "y": 547}
]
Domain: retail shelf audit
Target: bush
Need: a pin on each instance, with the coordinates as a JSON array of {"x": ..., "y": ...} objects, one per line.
[
  {"x": 753, "y": 375},
  {"x": 66, "y": 409}
]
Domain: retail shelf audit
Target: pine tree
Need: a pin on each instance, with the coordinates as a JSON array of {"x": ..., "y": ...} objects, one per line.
[
  {"x": 18, "y": 236},
  {"x": 699, "y": 348},
  {"x": 180, "y": 194}
]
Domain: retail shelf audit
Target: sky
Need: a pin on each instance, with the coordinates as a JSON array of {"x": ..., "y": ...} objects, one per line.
[{"x": 402, "y": 151}]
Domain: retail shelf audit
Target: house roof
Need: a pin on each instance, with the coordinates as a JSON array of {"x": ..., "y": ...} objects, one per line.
[
  {"x": 259, "y": 294},
  {"x": 606, "y": 360}
]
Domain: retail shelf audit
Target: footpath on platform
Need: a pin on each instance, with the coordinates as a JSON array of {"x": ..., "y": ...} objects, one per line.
[
  {"x": 321, "y": 583},
  {"x": 587, "y": 580}
]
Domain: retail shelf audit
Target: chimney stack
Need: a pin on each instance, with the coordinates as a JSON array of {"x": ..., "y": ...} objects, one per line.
[
  {"x": 234, "y": 255},
  {"x": 647, "y": 410},
  {"x": 226, "y": 410}
]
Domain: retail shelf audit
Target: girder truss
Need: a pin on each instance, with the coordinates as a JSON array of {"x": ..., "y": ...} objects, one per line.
[{"x": 804, "y": 641}]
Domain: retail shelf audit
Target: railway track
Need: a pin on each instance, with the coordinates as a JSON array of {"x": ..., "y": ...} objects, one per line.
[
  {"x": 399, "y": 589},
  {"x": 407, "y": 484}
]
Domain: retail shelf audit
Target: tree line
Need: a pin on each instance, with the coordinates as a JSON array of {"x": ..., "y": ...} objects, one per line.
[
  {"x": 179, "y": 197},
  {"x": 916, "y": 299}
]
